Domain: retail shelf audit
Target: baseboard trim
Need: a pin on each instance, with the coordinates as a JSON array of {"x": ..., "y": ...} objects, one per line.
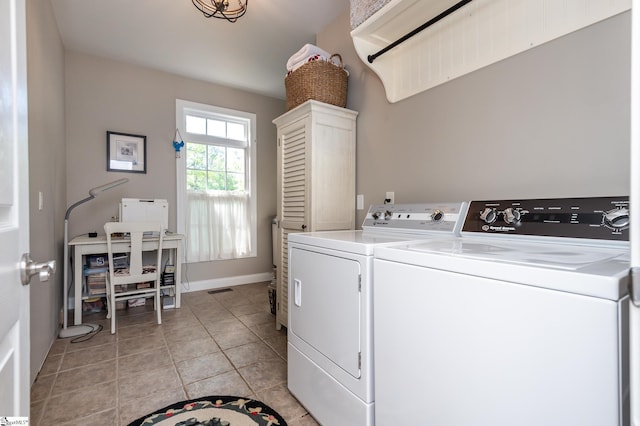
[{"x": 213, "y": 284}]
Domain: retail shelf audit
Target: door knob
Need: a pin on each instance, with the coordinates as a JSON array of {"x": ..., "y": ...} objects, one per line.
[{"x": 29, "y": 268}]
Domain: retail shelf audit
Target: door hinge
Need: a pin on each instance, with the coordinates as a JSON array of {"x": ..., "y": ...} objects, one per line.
[
  {"x": 360, "y": 283},
  {"x": 359, "y": 360}
]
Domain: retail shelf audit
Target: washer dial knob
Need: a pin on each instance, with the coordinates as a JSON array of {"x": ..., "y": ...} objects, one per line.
[
  {"x": 388, "y": 215},
  {"x": 437, "y": 216},
  {"x": 375, "y": 215},
  {"x": 488, "y": 215},
  {"x": 511, "y": 216},
  {"x": 616, "y": 218}
]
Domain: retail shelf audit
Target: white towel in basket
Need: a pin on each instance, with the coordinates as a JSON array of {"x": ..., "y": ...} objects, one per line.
[{"x": 302, "y": 56}]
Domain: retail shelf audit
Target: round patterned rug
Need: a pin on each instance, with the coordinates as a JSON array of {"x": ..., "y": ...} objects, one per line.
[{"x": 214, "y": 411}]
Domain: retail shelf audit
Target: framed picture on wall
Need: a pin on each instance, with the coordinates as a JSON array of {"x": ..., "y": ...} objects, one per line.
[{"x": 126, "y": 152}]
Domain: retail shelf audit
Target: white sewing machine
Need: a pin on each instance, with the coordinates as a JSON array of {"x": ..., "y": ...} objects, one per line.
[{"x": 139, "y": 209}]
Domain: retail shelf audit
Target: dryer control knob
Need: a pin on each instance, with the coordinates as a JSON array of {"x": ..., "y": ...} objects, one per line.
[
  {"x": 511, "y": 216},
  {"x": 388, "y": 215},
  {"x": 488, "y": 215},
  {"x": 437, "y": 216},
  {"x": 617, "y": 218},
  {"x": 376, "y": 215}
]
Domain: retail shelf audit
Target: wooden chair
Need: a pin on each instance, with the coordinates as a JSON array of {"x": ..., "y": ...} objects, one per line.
[{"x": 138, "y": 279}]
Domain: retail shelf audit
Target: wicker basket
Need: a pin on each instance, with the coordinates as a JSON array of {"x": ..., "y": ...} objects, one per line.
[{"x": 318, "y": 80}]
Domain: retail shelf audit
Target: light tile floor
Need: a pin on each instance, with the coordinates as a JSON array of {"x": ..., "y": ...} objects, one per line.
[{"x": 216, "y": 344}]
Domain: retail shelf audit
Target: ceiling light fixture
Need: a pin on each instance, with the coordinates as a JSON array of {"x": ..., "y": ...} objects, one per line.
[{"x": 230, "y": 10}]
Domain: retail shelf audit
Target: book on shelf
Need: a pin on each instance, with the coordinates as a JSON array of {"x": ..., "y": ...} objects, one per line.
[
  {"x": 97, "y": 260},
  {"x": 120, "y": 260},
  {"x": 122, "y": 288},
  {"x": 168, "y": 275},
  {"x": 97, "y": 285},
  {"x": 100, "y": 261},
  {"x": 95, "y": 291},
  {"x": 147, "y": 269},
  {"x": 97, "y": 278},
  {"x": 87, "y": 271}
]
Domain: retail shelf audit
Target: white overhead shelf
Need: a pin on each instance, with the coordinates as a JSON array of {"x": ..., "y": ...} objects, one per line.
[{"x": 476, "y": 35}]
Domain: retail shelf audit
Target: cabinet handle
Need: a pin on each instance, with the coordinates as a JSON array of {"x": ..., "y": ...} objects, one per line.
[
  {"x": 304, "y": 227},
  {"x": 297, "y": 292}
]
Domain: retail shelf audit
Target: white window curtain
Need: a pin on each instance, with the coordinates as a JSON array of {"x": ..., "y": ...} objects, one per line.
[{"x": 218, "y": 226}]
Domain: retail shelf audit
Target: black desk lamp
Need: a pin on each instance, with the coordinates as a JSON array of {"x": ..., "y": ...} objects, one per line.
[{"x": 80, "y": 329}]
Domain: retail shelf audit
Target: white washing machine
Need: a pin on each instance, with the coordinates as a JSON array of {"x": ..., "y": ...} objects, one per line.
[
  {"x": 521, "y": 321},
  {"x": 330, "y": 362}
]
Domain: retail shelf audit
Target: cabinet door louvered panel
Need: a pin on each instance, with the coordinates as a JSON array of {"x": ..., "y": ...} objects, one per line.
[
  {"x": 282, "y": 292},
  {"x": 292, "y": 203},
  {"x": 294, "y": 187}
]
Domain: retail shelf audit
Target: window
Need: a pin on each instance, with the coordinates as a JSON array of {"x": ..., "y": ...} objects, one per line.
[
  {"x": 215, "y": 168},
  {"x": 216, "y": 182}
]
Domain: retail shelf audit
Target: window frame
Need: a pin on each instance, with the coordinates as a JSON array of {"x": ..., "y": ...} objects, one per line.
[{"x": 184, "y": 108}]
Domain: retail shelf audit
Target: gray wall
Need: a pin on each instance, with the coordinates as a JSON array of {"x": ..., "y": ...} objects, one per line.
[
  {"x": 47, "y": 169},
  {"x": 106, "y": 95},
  {"x": 550, "y": 122}
]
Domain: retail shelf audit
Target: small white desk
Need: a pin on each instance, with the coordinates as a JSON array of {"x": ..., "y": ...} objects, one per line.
[{"x": 83, "y": 245}]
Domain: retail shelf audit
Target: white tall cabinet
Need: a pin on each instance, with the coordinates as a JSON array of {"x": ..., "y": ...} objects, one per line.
[{"x": 316, "y": 179}]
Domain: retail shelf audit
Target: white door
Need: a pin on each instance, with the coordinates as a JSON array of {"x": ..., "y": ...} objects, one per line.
[
  {"x": 634, "y": 236},
  {"x": 14, "y": 212},
  {"x": 325, "y": 305}
]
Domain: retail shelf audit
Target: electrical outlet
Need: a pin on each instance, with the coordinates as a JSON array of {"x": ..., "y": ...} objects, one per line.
[
  {"x": 40, "y": 200},
  {"x": 389, "y": 198},
  {"x": 360, "y": 202}
]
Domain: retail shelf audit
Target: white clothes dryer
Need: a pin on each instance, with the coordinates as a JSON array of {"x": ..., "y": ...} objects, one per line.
[
  {"x": 330, "y": 359},
  {"x": 521, "y": 321}
]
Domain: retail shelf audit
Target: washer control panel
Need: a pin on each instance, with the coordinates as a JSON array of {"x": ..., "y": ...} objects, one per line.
[
  {"x": 416, "y": 218},
  {"x": 603, "y": 218}
]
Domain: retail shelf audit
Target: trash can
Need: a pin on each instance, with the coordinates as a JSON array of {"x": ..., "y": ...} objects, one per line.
[{"x": 271, "y": 288}]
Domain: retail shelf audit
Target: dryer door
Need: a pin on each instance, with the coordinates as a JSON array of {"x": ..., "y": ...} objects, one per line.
[{"x": 325, "y": 305}]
